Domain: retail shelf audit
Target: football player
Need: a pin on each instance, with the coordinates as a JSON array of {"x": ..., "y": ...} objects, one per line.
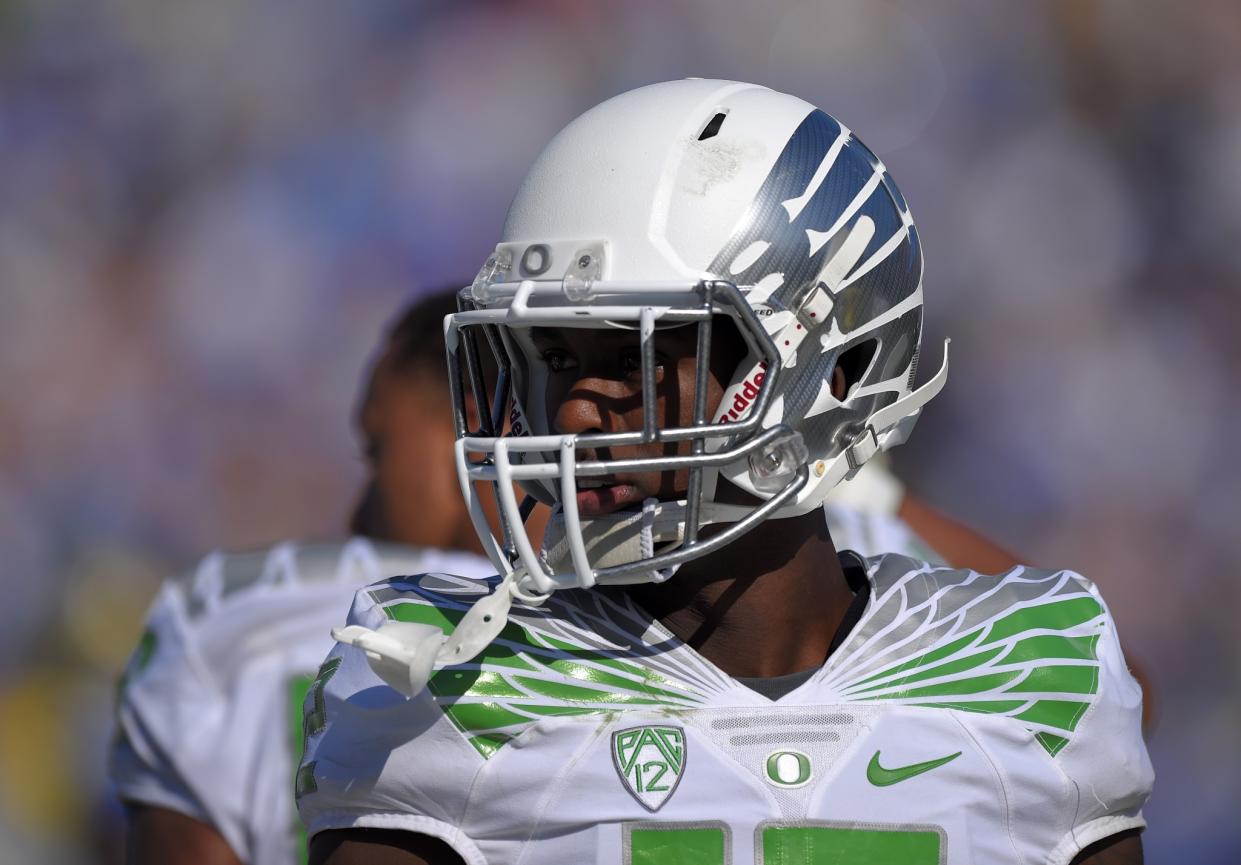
[
  {"x": 209, "y": 716},
  {"x": 707, "y": 305},
  {"x": 192, "y": 792}
]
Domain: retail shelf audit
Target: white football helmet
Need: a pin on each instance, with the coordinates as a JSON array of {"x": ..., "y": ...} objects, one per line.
[{"x": 677, "y": 204}]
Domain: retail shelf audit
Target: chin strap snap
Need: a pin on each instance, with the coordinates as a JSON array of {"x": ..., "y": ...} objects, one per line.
[{"x": 405, "y": 655}]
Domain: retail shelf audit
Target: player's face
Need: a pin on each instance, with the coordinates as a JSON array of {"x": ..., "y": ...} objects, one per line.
[
  {"x": 595, "y": 385},
  {"x": 412, "y": 495}
]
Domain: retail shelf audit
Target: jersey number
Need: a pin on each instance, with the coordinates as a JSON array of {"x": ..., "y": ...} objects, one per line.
[
  {"x": 783, "y": 844},
  {"x": 301, "y": 727}
]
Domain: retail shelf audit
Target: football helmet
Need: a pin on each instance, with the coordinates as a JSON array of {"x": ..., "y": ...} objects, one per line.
[
  {"x": 685, "y": 203},
  {"x": 699, "y": 204}
]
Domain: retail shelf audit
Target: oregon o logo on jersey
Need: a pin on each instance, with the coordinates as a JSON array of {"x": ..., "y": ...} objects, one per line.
[
  {"x": 788, "y": 768},
  {"x": 650, "y": 761}
]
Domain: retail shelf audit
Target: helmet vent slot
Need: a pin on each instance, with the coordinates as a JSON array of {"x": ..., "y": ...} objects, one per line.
[
  {"x": 855, "y": 362},
  {"x": 712, "y": 128}
]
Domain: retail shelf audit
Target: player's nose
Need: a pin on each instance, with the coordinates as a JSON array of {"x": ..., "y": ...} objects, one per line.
[
  {"x": 593, "y": 404},
  {"x": 580, "y": 412}
]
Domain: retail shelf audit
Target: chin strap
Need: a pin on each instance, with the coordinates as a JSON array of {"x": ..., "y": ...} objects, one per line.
[
  {"x": 646, "y": 540},
  {"x": 406, "y": 655}
]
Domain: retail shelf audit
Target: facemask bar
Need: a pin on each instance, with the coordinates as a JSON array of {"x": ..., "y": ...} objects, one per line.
[
  {"x": 648, "y": 303},
  {"x": 491, "y": 420},
  {"x": 693, "y": 495}
]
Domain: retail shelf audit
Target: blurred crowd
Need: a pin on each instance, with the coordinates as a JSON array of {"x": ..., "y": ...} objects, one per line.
[{"x": 208, "y": 211}]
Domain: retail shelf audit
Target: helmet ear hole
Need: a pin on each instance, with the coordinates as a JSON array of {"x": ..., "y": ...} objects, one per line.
[
  {"x": 731, "y": 352},
  {"x": 855, "y": 361},
  {"x": 729, "y": 347}
]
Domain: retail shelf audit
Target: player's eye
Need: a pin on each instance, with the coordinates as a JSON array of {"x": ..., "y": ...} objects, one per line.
[
  {"x": 558, "y": 360},
  {"x": 631, "y": 364}
]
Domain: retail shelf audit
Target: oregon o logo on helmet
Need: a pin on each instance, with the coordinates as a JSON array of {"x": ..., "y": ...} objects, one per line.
[{"x": 789, "y": 769}]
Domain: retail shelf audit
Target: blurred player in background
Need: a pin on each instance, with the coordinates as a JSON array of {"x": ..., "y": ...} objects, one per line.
[
  {"x": 210, "y": 713},
  {"x": 210, "y": 723},
  {"x": 873, "y": 513},
  {"x": 692, "y": 668}
]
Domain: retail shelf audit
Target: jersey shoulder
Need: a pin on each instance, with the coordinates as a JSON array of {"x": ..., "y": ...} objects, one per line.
[
  {"x": 372, "y": 752},
  {"x": 1037, "y": 646},
  {"x": 373, "y": 756},
  {"x": 580, "y": 652},
  {"x": 1029, "y": 663}
]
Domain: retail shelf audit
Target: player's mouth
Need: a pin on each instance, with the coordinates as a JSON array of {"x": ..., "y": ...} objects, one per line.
[{"x": 598, "y": 496}]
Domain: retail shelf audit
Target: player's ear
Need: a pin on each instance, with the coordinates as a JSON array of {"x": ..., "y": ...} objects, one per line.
[
  {"x": 852, "y": 365},
  {"x": 840, "y": 384}
]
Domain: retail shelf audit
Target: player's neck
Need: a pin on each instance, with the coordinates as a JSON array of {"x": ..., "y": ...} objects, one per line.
[{"x": 767, "y": 604}]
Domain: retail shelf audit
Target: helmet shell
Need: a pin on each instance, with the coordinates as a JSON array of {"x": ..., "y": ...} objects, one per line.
[{"x": 702, "y": 179}]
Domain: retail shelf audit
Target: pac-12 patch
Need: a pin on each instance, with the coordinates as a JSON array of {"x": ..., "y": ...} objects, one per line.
[{"x": 650, "y": 762}]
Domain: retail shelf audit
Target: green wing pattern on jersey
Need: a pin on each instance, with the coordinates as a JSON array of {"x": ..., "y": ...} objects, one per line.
[
  {"x": 1022, "y": 645},
  {"x": 527, "y": 674}
]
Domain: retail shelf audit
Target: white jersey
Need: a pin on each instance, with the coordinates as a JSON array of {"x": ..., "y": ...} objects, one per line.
[
  {"x": 209, "y": 711},
  {"x": 964, "y": 719}
]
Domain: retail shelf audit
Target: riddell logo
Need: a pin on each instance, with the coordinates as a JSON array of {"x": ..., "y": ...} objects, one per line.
[
  {"x": 742, "y": 395},
  {"x": 517, "y": 422}
]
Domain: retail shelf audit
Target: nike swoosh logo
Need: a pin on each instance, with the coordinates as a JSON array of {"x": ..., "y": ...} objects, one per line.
[{"x": 882, "y": 777}]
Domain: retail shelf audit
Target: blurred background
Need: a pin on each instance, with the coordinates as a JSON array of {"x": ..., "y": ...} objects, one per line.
[{"x": 208, "y": 211}]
